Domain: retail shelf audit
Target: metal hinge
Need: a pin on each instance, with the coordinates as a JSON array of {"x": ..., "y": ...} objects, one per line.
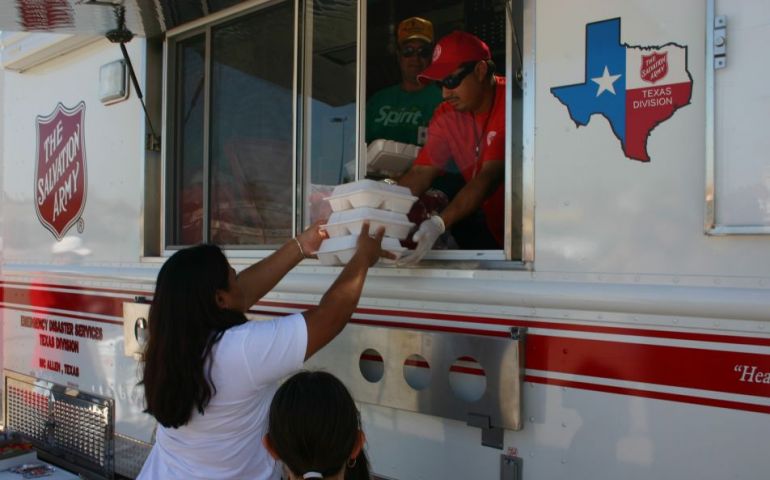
[
  {"x": 720, "y": 42},
  {"x": 152, "y": 142},
  {"x": 490, "y": 436}
]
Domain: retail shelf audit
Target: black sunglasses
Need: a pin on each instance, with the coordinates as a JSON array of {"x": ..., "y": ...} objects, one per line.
[
  {"x": 453, "y": 81},
  {"x": 424, "y": 52}
]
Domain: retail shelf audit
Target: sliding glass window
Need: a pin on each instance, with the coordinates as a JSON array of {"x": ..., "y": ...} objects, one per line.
[{"x": 231, "y": 168}]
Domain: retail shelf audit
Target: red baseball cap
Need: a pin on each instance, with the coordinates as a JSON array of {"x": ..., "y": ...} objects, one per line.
[{"x": 452, "y": 51}]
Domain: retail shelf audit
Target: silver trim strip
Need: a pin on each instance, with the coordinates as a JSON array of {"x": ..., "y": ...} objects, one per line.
[
  {"x": 508, "y": 187},
  {"x": 361, "y": 89},
  {"x": 297, "y": 219},
  {"x": 480, "y": 293},
  {"x": 305, "y": 96},
  {"x": 719, "y": 230},
  {"x": 207, "y": 137},
  {"x": 528, "y": 135},
  {"x": 710, "y": 210},
  {"x": 166, "y": 140}
]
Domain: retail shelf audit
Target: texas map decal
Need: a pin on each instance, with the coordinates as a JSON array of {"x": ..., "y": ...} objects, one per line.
[{"x": 636, "y": 88}]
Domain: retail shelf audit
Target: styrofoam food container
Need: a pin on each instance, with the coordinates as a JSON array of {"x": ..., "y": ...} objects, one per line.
[
  {"x": 369, "y": 193},
  {"x": 339, "y": 250},
  {"x": 390, "y": 157},
  {"x": 348, "y": 222}
]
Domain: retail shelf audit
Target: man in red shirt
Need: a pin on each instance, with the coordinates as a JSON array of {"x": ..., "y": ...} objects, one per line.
[{"x": 467, "y": 133}]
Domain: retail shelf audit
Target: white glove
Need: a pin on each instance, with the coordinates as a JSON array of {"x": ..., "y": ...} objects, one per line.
[{"x": 425, "y": 237}]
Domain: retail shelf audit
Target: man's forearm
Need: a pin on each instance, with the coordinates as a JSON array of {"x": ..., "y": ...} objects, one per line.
[
  {"x": 472, "y": 196},
  {"x": 418, "y": 179},
  {"x": 467, "y": 201}
]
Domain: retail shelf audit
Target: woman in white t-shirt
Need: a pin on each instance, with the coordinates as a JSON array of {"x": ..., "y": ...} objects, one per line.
[{"x": 209, "y": 374}]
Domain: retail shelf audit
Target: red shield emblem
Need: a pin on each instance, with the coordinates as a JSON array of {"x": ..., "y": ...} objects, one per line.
[
  {"x": 654, "y": 66},
  {"x": 60, "y": 171}
]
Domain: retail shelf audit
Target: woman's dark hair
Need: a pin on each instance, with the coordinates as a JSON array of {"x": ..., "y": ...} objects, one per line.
[
  {"x": 313, "y": 426},
  {"x": 185, "y": 322}
]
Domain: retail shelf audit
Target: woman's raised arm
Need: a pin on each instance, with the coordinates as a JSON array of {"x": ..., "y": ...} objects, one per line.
[
  {"x": 257, "y": 280},
  {"x": 339, "y": 302}
]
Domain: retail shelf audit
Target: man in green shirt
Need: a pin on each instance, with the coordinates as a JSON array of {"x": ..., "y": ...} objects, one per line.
[{"x": 402, "y": 112}]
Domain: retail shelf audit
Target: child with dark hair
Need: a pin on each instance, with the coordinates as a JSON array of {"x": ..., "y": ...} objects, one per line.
[
  {"x": 209, "y": 374},
  {"x": 315, "y": 430}
]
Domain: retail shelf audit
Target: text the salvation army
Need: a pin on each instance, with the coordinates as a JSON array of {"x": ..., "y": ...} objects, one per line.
[{"x": 62, "y": 169}]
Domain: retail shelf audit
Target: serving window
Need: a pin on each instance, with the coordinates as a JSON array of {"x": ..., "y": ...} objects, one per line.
[
  {"x": 400, "y": 40},
  {"x": 266, "y": 112}
]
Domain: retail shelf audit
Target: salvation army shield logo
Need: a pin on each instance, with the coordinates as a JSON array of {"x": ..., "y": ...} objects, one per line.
[
  {"x": 654, "y": 66},
  {"x": 60, "y": 170}
]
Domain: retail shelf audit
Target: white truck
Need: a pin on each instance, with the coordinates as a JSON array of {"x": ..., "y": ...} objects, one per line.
[{"x": 623, "y": 331}]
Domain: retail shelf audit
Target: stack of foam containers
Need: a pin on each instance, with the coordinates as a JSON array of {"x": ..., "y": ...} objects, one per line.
[{"x": 381, "y": 204}]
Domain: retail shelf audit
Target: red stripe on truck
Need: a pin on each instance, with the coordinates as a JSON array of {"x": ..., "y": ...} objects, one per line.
[
  {"x": 721, "y": 371},
  {"x": 674, "y": 397}
]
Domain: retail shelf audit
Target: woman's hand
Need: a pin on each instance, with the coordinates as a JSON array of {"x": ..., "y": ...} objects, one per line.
[
  {"x": 310, "y": 240},
  {"x": 370, "y": 247}
]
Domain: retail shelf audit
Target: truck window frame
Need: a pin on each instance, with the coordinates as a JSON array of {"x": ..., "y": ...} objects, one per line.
[{"x": 517, "y": 252}]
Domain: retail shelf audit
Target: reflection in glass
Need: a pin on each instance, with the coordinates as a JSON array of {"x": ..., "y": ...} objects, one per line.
[
  {"x": 188, "y": 174},
  {"x": 330, "y": 101},
  {"x": 251, "y": 129}
]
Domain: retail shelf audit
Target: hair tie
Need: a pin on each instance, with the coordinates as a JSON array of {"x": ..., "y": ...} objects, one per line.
[{"x": 312, "y": 475}]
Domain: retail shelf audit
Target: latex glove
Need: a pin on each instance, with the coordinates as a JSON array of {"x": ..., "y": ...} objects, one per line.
[{"x": 424, "y": 237}]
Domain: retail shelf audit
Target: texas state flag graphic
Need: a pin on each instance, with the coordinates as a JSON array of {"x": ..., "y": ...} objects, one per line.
[{"x": 636, "y": 88}]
